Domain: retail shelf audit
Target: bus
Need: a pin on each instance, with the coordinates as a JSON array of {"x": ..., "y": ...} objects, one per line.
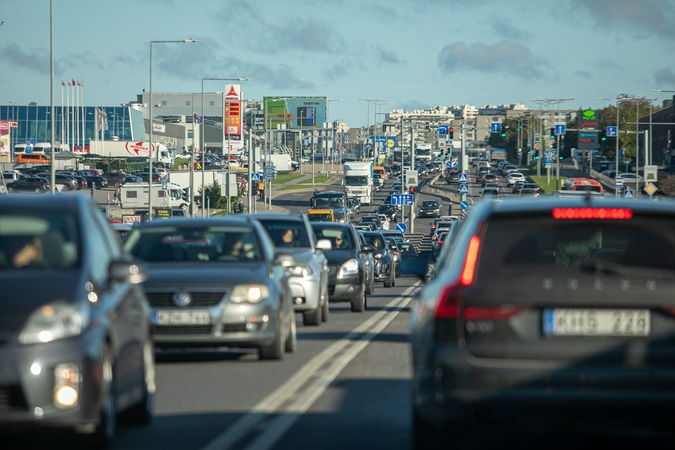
[
  {"x": 582, "y": 185},
  {"x": 423, "y": 151}
]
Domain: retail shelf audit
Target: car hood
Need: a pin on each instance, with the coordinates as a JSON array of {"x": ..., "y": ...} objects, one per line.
[
  {"x": 23, "y": 291},
  {"x": 338, "y": 257},
  {"x": 204, "y": 275},
  {"x": 301, "y": 255}
]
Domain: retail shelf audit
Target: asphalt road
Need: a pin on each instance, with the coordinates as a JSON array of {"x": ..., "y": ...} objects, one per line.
[{"x": 347, "y": 387}]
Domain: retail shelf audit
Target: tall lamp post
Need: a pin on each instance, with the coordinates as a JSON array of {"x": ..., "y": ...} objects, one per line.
[
  {"x": 332, "y": 131},
  {"x": 369, "y": 101},
  {"x": 651, "y": 136},
  {"x": 201, "y": 139},
  {"x": 150, "y": 158},
  {"x": 616, "y": 167}
]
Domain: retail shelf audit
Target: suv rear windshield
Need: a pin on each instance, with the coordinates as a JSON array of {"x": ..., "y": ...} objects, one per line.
[{"x": 515, "y": 249}]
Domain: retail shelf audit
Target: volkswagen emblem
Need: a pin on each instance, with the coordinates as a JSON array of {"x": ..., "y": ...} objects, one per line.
[{"x": 182, "y": 298}]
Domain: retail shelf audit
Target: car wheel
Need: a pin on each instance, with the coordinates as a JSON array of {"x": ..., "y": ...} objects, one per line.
[
  {"x": 359, "y": 303},
  {"x": 104, "y": 433},
  {"x": 38, "y": 190},
  {"x": 276, "y": 349},
  {"x": 141, "y": 413},
  {"x": 371, "y": 285},
  {"x": 312, "y": 318},
  {"x": 324, "y": 312},
  {"x": 388, "y": 283},
  {"x": 291, "y": 344},
  {"x": 65, "y": 188},
  {"x": 10, "y": 189}
]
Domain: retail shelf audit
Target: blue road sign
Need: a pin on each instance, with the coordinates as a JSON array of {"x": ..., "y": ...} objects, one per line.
[
  {"x": 255, "y": 177},
  {"x": 464, "y": 205},
  {"x": 611, "y": 132},
  {"x": 245, "y": 153},
  {"x": 448, "y": 163},
  {"x": 628, "y": 193},
  {"x": 402, "y": 199},
  {"x": 462, "y": 178},
  {"x": 495, "y": 127},
  {"x": 547, "y": 161},
  {"x": 529, "y": 144},
  {"x": 401, "y": 227},
  {"x": 559, "y": 129},
  {"x": 463, "y": 189},
  {"x": 443, "y": 129}
]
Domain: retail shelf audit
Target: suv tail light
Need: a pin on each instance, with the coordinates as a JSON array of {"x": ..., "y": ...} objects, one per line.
[{"x": 448, "y": 305}]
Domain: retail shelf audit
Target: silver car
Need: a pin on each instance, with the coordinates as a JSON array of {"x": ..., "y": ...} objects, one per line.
[
  {"x": 293, "y": 235},
  {"x": 215, "y": 282}
]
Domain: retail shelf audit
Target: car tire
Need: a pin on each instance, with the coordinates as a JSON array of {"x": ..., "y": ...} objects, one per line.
[
  {"x": 359, "y": 303},
  {"x": 276, "y": 349},
  {"x": 65, "y": 188},
  {"x": 389, "y": 282},
  {"x": 291, "y": 344},
  {"x": 371, "y": 286},
  {"x": 10, "y": 189},
  {"x": 141, "y": 413},
  {"x": 104, "y": 433},
  {"x": 312, "y": 318},
  {"x": 324, "y": 312},
  {"x": 38, "y": 190}
]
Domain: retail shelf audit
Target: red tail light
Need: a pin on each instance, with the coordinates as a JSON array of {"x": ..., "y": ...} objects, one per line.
[
  {"x": 448, "y": 306},
  {"x": 469, "y": 269},
  {"x": 593, "y": 213}
]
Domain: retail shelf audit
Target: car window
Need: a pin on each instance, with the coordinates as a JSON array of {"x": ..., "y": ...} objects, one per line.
[
  {"x": 287, "y": 233},
  {"x": 340, "y": 238},
  {"x": 199, "y": 244},
  {"x": 374, "y": 240}
]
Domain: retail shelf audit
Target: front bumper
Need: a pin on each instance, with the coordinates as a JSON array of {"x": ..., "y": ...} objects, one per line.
[
  {"x": 26, "y": 396},
  {"x": 346, "y": 288},
  {"x": 308, "y": 290},
  {"x": 234, "y": 324},
  {"x": 381, "y": 270},
  {"x": 429, "y": 213}
]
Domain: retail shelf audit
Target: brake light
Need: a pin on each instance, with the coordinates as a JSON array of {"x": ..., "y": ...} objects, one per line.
[
  {"x": 469, "y": 269},
  {"x": 448, "y": 306},
  {"x": 491, "y": 313},
  {"x": 593, "y": 213}
]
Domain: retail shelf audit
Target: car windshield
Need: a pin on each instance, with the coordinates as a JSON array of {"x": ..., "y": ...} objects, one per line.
[
  {"x": 329, "y": 202},
  {"x": 287, "y": 233},
  {"x": 33, "y": 239},
  {"x": 352, "y": 180},
  {"x": 374, "y": 240},
  {"x": 339, "y": 237},
  {"x": 406, "y": 247},
  {"x": 430, "y": 203},
  {"x": 386, "y": 209},
  {"x": 212, "y": 244}
]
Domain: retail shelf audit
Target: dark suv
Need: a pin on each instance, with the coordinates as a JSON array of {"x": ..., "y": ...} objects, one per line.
[
  {"x": 347, "y": 280},
  {"x": 383, "y": 260},
  {"x": 549, "y": 311}
]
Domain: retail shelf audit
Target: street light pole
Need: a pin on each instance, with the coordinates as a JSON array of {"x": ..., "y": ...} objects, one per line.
[
  {"x": 201, "y": 139},
  {"x": 150, "y": 158},
  {"x": 369, "y": 100},
  {"x": 616, "y": 167}
]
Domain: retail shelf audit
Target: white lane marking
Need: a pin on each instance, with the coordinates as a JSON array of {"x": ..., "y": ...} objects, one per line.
[{"x": 291, "y": 387}]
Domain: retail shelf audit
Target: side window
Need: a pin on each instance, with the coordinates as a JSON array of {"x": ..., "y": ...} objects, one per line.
[{"x": 104, "y": 246}]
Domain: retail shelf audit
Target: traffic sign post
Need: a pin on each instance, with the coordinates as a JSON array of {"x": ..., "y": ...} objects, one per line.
[
  {"x": 402, "y": 199},
  {"x": 650, "y": 189},
  {"x": 628, "y": 193},
  {"x": 560, "y": 130},
  {"x": 401, "y": 227},
  {"x": 495, "y": 127},
  {"x": 463, "y": 189},
  {"x": 462, "y": 178},
  {"x": 464, "y": 205},
  {"x": 611, "y": 132}
]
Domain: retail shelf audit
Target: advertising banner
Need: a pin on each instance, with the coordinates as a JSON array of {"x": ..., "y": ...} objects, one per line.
[
  {"x": 294, "y": 112},
  {"x": 4, "y": 141},
  {"x": 232, "y": 118}
]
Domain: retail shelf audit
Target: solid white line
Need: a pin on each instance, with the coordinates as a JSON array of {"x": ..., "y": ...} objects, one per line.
[
  {"x": 306, "y": 398},
  {"x": 290, "y": 387}
]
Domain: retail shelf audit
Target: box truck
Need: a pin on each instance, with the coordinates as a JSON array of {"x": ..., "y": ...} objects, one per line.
[
  {"x": 358, "y": 180},
  {"x": 165, "y": 195},
  {"x": 125, "y": 149}
]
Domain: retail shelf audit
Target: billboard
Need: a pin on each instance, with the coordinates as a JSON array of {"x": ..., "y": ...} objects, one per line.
[
  {"x": 4, "y": 141},
  {"x": 232, "y": 117},
  {"x": 294, "y": 112}
]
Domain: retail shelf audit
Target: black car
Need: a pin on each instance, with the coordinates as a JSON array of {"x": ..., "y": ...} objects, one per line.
[
  {"x": 216, "y": 282},
  {"x": 29, "y": 184},
  {"x": 391, "y": 211},
  {"x": 429, "y": 208},
  {"x": 75, "y": 347},
  {"x": 348, "y": 279},
  {"x": 96, "y": 181},
  {"x": 536, "y": 316},
  {"x": 116, "y": 179},
  {"x": 383, "y": 269}
]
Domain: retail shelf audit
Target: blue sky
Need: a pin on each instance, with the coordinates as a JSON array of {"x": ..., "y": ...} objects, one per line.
[{"x": 412, "y": 53}]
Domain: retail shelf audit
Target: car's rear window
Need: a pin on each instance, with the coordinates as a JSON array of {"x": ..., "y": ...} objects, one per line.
[
  {"x": 521, "y": 247},
  {"x": 287, "y": 233}
]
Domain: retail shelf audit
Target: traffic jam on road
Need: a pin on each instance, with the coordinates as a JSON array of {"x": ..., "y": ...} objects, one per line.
[{"x": 464, "y": 303}]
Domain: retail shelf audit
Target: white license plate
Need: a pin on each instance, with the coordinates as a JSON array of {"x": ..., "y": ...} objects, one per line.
[
  {"x": 596, "y": 322},
  {"x": 181, "y": 317}
]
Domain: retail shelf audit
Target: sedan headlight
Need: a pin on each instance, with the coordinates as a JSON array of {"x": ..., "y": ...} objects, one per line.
[
  {"x": 58, "y": 320},
  {"x": 301, "y": 271},
  {"x": 379, "y": 255},
  {"x": 349, "y": 268},
  {"x": 249, "y": 294}
]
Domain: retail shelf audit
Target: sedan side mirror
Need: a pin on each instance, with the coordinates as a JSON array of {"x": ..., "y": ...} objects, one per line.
[
  {"x": 365, "y": 248},
  {"x": 284, "y": 260},
  {"x": 126, "y": 272},
  {"x": 324, "y": 244}
]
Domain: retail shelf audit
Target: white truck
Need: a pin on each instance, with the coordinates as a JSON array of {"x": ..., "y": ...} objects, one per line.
[
  {"x": 423, "y": 151},
  {"x": 126, "y": 149},
  {"x": 282, "y": 162},
  {"x": 135, "y": 196},
  {"x": 358, "y": 180}
]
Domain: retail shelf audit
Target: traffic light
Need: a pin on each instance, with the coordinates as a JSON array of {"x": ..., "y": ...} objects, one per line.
[
  {"x": 503, "y": 132},
  {"x": 603, "y": 135},
  {"x": 551, "y": 133},
  {"x": 411, "y": 190},
  {"x": 451, "y": 132}
]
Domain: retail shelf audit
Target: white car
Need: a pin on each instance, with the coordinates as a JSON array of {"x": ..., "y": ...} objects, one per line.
[
  {"x": 631, "y": 178},
  {"x": 385, "y": 221},
  {"x": 513, "y": 177}
]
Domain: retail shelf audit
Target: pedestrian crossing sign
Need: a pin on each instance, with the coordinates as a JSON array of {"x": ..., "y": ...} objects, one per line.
[{"x": 255, "y": 177}]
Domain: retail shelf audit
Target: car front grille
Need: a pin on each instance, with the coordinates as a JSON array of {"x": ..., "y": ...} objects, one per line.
[
  {"x": 181, "y": 329},
  {"x": 12, "y": 399},
  {"x": 234, "y": 328},
  {"x": 199, "y": 299},
  {"x": 332, "y": 270}
]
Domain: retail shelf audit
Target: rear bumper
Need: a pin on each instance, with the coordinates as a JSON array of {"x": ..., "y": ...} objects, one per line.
[{"x": 452, "y": 389}]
